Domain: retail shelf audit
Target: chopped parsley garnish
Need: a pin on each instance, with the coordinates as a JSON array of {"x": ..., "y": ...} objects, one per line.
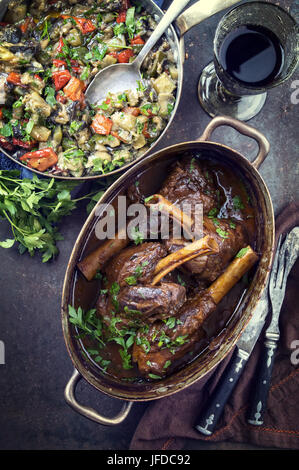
[
  {"x": 74, "y": 127},
  {"x": 170, "y": 322},
  {"x": 222, "y": 233},
  {"x": 154, "y": 376},
  {"x": 119, "y": 29},
  {"x": 6, "y": 130},
  {"x": 132, "y": 311},
  {"x": 180, "y": 280},
  {"x": 85, "y": 74},
  {"x": 141, "y": 87},
  {"x": 50, "y": 96},
  {"x": 130, "y": 22},
  {"x": 192, "y": 164},
  {"x": 170, "y": 107},
  {"x": 242, "y": 252},
  {"x": 137, "y": 236},
  {"x": 213, "y": 213},
  {"x": 87, "y": 322},
  {"x": 131, "y": 280},
  {"x": 237, "y": 203},
  {"x": 114, "y": 290},
  {"x": 167, "y": 364},
  {"x": 29, "y": 126},
  {"x": 99, "y": 52}
]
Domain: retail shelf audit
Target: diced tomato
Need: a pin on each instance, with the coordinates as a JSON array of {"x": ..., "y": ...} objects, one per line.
[
  {"x": 114, "y": 54},
  {"x": 14, "y": 78},
  {"x": 101, "y": 124},
  {"x": 137, "y": 40},
  {"x": 1, "y": 113},
  {"x": 77, "y": 69},
  {"x": 124, "y": 56},
  {"x": 122, "y": 16},
  {"x": 61, "y": 98},
  {"x": 41, "y": 159},
  {"x": 23, "y": 143},
  {"x": 131, "y": 110},
  {"x": 46, "y": 152},
  {"x": 146, "y": 112},
  {"x": 37, "y": 76},
  {"x": 74, "y": 89},
  {"x": 42, "y": 164},
  {"x": 115, "y": 134},
  {"x": 25, "y": 25},
  {"x": 85, "y": 26},
  {"x": 60, "y": 45},
  {"x": 144, "y": 131},
  {"x": 5, "y": 144},
  {"x": 61, "y": 78},
  {"x": 59, "y": 63}
]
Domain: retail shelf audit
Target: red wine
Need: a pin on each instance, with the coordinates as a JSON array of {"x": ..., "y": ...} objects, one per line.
[{"x": 252, "y": 55}]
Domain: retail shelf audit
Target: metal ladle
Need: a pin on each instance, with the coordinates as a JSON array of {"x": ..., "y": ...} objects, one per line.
[{"x": 118, "y": 78}]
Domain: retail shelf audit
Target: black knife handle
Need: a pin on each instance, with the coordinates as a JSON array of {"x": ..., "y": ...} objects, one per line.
[
  {"x": 260, "y": 396},
  {"x": 211, "y": 414}
]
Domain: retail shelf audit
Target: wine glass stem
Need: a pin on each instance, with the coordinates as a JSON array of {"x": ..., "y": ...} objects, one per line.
[{"x": 226, "y": 95}]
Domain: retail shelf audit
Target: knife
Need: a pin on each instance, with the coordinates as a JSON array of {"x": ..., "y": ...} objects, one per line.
[
  {"x": 211, "y": 414},
  {"x": 285, "y": 257}
]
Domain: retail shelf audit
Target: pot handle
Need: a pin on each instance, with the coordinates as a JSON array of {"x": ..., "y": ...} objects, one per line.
[
  {"x": 69, "y": 395},
  {"x": 243, "y": 128},
  {"x": 200, "y": 11}
]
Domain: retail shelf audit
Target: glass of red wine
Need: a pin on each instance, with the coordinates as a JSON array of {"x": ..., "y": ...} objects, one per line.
[{"x": 255, "y": 49}]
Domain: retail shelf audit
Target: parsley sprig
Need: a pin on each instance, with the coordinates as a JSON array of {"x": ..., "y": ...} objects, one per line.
[
  {"x": 33, "y": 208},
  {"x": 87, "y": 322}
]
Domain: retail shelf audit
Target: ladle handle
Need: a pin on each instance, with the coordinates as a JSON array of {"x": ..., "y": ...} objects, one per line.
[
  {"x": 201, "y": 11},
  {"x": 69, "y": 395},
  {"x": 172, "y": 13}
]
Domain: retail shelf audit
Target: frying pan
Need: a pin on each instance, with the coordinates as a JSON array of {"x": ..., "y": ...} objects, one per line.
[
  {"x": 151, "y": 172},
  {"x": 191, "y": 17}
]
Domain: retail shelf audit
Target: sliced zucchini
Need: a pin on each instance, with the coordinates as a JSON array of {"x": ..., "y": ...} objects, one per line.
[{"x": 164, "y": 84}]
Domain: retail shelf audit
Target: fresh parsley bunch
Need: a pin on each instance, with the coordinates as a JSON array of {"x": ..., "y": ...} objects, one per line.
[{"x": 33, "y": 208}]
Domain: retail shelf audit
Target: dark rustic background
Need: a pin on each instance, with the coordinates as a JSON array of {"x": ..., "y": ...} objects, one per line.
[{"x": 33, "y": 413}]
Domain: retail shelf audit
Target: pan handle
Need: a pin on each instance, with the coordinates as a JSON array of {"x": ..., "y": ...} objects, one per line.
[
  {"x": 243, "y": 128},
  {"x": 200, "y": 11},
  {"x": 69, "y": 395}
]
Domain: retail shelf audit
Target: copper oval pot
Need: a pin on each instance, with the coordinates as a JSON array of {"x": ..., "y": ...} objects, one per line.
[
  {"x": 152, "y": 171},
  {"x": 191, "y": 17}
]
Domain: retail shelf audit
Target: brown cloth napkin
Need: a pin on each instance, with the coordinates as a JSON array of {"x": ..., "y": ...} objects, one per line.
[{"x": 168, "y": 423}]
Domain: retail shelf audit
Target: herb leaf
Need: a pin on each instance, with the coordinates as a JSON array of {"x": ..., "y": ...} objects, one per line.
[
  {"x": 130, "y": 22},
  {"x": 33, "y": 207}
]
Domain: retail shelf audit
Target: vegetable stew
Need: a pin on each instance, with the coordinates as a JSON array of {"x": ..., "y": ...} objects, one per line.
[{"x": 49, "y": 53}]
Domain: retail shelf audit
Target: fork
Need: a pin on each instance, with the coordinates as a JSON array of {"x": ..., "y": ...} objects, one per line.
[{"x": 285, "y": 257}]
